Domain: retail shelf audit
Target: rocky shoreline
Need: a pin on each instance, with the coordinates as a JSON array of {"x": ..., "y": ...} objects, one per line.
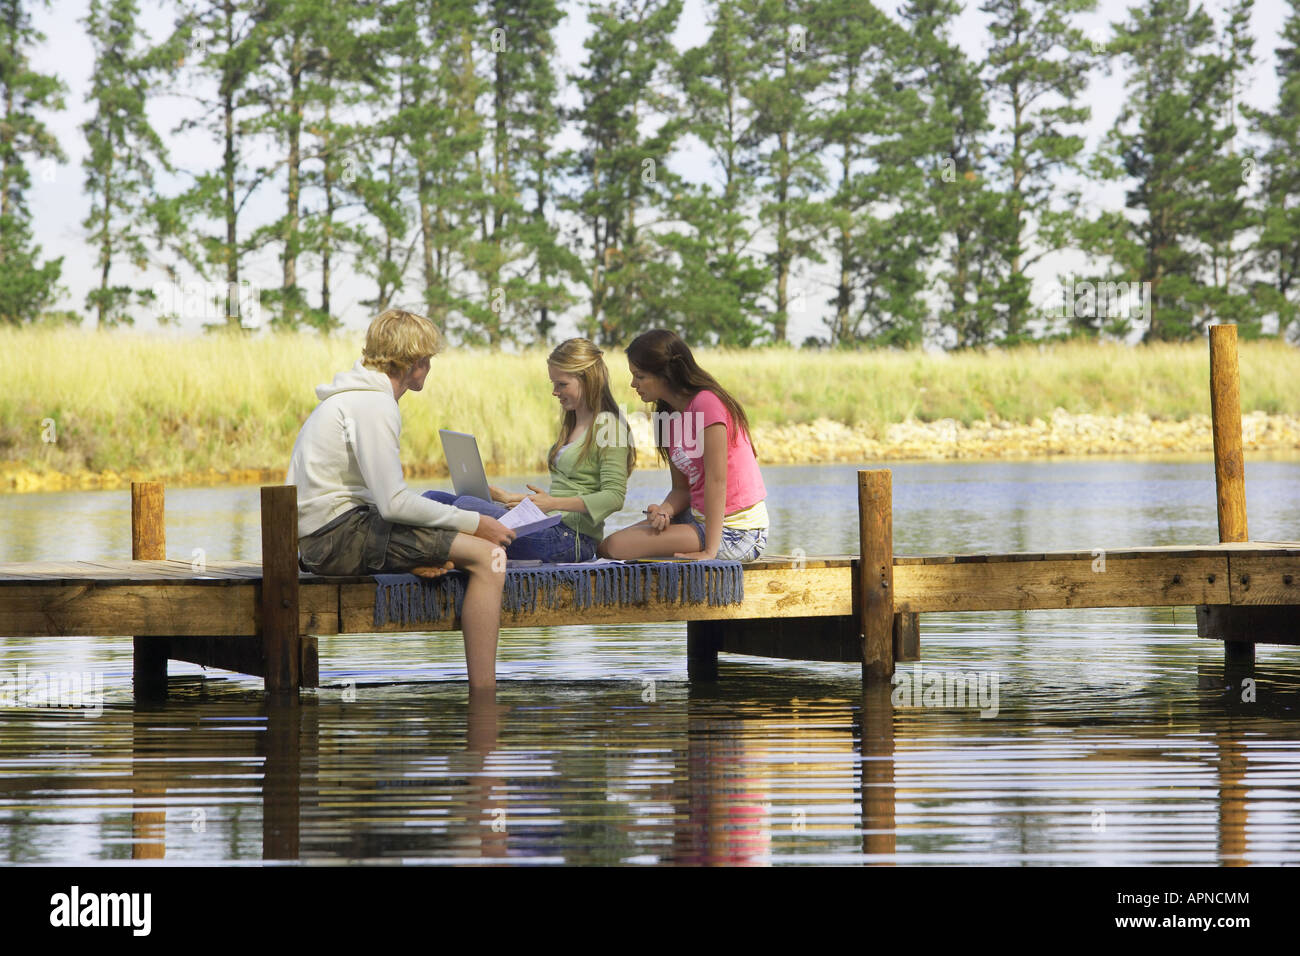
[
  {"x": 825, "y": 441},
  {"x": 1063, "y": 435}
]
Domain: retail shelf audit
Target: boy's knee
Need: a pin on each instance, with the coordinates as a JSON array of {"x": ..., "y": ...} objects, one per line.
[{"x": 487, "y": 560}]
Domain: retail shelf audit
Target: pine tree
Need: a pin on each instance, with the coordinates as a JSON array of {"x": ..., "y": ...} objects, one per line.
[
  {"x": 719, "y": 280},
  {"x": 1224, "y": 219},
  {"x": 345, "y": 60},
  {"x": 291, "y": 49},
  {"x": 27, "y": 285},
  {"x": 539, "y": 169},
  {"x": 622, "y": 168},
  {"x": 225, "y": 40},
  {"x": 513, "y": 251},
  {"x": 1277, "y": 248},
  {"x": 384, "y": 175},
  {"x": 787, "y": 77},
  {"x": 1037, "y": 67},
  {"x": 123, "y": 149},
  {"x": 442, "y": 136},
  {"x": 970, "y": 215},
  {"x": 869, "y": 125},
  {"x": 1173, "y": 142}
]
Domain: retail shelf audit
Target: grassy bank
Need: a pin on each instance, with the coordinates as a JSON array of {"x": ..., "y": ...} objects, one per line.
[{"x": 170, "y": 408}]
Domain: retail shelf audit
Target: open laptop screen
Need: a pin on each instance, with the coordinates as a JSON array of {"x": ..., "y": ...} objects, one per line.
[{"x": 465, "y": 464}]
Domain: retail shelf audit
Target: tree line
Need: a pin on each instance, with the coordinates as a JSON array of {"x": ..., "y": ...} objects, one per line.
[{"x": 414, "y": 142}]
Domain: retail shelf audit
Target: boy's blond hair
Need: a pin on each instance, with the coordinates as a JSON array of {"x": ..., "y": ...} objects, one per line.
[{"x": 397, "y": 339}]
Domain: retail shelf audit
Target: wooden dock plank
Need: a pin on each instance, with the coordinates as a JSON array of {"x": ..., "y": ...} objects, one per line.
[
  {"x": 806, "y": 592},
  {"x": 318, "y": 608},
  {"x": 174, "y": 569},
  {"x": 1027, "y": 585},
  {"x": 140, "y": 609},
  {"x": 140, "y": 602},
  {"x": 1260, "y": 579}
]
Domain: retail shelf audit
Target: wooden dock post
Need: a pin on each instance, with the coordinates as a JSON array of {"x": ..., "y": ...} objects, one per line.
[
  {"x": 1225, "y": 407},
  {"x": 1228, "y": 624},
  {"x": 879, "y": 796},
  {"x": 876, "y": 573},
  {"x": 281, "y": 648},
  {"x": 703, "y": 640},
  {"x": 148, "y": 543}
]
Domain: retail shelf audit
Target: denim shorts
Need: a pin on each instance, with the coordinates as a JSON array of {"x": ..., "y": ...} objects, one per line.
[
  {"x": 558, "y": 544},
  {"x": 738, "y": 544}
]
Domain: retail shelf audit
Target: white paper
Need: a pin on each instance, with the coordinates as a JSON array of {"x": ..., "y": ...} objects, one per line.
[{"x": 521, "y": 514}]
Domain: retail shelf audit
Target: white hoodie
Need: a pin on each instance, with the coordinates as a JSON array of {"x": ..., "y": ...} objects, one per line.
[{"x": 347, "y": 455}]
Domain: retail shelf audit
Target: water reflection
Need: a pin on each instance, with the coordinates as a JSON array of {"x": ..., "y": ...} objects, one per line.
[
  {"x": 1119, "y": 737},
  {"x": 695, "y": 777}
]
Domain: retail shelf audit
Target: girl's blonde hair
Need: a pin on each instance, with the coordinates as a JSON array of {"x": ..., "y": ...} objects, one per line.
[
  {"x": 397, "y": 339},
  {"x": 581, "y": 359}
]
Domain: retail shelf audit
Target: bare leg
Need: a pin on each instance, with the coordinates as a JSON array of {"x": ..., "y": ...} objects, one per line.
[
  {"x": 643, "y": 541},
  {"x": 480, "y": 618}
]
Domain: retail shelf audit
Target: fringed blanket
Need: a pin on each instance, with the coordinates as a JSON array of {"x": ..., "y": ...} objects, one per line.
[{"x": 407, "y": 599}]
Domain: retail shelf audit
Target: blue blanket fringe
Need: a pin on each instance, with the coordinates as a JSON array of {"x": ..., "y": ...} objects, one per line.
[{"x": 407, "y": 599}]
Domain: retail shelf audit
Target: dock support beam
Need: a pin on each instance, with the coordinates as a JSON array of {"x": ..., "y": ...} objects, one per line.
[
  {"x": 876, "y": 574},
  {"x": 1228, "y": 624},
  {"x": 148, "y": 543}
]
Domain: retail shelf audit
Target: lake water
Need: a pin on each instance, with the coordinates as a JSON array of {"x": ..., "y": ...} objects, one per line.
[{"x": 1113, "y": 742}]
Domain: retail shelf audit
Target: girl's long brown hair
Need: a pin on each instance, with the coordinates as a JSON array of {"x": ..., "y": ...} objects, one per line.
[
  {"x": 662, "y": 352},
  {"x": 581, "y": 359}
]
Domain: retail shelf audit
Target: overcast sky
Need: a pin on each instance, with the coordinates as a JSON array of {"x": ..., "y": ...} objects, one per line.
[{"x": 59, "y": 204}]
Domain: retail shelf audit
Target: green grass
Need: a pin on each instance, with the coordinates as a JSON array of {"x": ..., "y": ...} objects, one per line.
[{"x": 168, "y": 406}]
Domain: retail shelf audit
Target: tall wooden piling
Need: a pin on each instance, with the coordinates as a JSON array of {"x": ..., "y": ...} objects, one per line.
[
  {"x": 279, "y": 599},
  {"x": 1228, "y": 624},
  {"x": 876, "y": 573},
  {"x": 1225, "y": 407},
  {"x": 148, "y": 543}
]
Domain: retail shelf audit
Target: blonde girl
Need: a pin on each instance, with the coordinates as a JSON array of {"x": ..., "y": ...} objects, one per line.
[{"x": 589, "y": 462}]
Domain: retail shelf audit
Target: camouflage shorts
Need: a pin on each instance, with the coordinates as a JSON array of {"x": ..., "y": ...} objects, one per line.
[{"x": 361, "y": 542}]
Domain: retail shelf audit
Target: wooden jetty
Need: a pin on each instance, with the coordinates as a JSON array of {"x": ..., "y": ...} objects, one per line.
[{"x": 263, "y": 618}]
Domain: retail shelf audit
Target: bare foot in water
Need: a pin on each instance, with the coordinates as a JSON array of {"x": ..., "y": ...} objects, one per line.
[{"x": 433, "y": 572}]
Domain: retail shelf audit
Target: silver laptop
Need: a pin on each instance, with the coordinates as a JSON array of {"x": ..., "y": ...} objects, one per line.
[{"x": 465, "y": 464}]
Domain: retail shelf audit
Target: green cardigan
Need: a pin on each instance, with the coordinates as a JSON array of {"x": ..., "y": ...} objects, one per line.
[{"x": 599, "y": 479}]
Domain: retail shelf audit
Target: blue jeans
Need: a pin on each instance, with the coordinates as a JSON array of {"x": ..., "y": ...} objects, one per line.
[{"x": 557, "y": 544}]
